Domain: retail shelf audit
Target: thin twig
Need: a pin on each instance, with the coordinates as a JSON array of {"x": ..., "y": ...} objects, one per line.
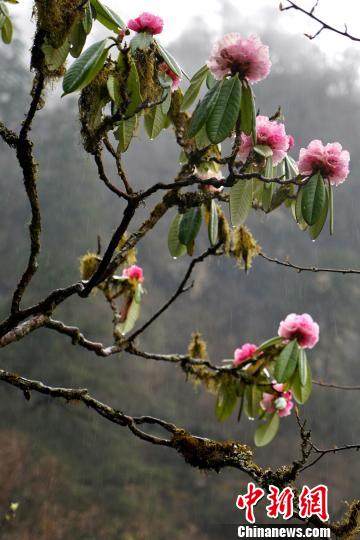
[{"x": 289, "y": 264}]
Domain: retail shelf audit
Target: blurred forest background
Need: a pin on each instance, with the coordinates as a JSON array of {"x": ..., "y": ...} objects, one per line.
[{"x": 77, "y": 476}]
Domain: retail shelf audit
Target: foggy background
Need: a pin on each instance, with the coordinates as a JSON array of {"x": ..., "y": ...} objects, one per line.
[{"x": 77, "y": 476}]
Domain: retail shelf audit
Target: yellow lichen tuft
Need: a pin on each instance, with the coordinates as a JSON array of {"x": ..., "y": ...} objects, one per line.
[
  {"x": 147, "y": 68},
  {"x": 92, "y": 100},
  {"x": 244, "y": 247},
  {"x": 224, "y": 231},
  {"x": 130, "y": 256},
  {"x": 56, "y": 18},
  {"x": 197, "y": 347},
  {"x": 88, "y": 265}
]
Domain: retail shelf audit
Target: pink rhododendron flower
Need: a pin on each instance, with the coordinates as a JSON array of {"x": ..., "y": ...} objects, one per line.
[
  {"x": 279, "y": 402},
  {"x": 245, "y": 353},
  {"x": 205, "y": 175},
  {"x": 234, "y": 54},
  {"x": 134, "y": 272},
  {"x": 270, "y": 133},
  {"x": 176, "y": 80},
  {"x": 300, "y": 327},
  {"x": 331, "y": 161},
  {"x": 147, "y": 22},
  {"x": 291, "y": 142}
]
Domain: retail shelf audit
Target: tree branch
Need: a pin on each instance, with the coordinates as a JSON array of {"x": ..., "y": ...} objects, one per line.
[{"x": 315, "y": 269}]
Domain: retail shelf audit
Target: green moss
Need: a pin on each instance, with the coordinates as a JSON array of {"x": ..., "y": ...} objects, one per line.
[{"x": 56, "y": 18}]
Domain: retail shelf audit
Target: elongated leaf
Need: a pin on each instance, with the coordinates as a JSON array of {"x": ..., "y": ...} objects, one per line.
[
  {"x": 241, "y": 195},
  {"x": 226, "y": 401},
  {"x": 176, "y": 248},
  {"x": 331, "y": 208},
  {"x": 85, "y": 68},
  {"x": 316, "y": 229},
  {"x": 169, "y": 60},
  {"x": 287, "y": 362},
  {"x": 113, "y": 86},
  {"x": 201, "y": 139},
  {"x": 268, "y": 431},
  {"x": 125, "y": 133},
  {"x": 270, "y": 343},
  {"x": 154, "y": 121},
  {"x": 203, "y": 110},
  {"x": 302, "y": 393},
  {"x": 313, "y": 199},
  {"x": 77, "y": 39},
  {"x": 253, "y": 395},
  {"x": 133, "y": 89},
  {"x": 55, "y": 58},
  {"x": 195, "y": 85},
  {"x": 190, "y": 225},
  {"x": 210, "y": 81},
  {"x": 267, "y": 196},
  {"x": 4, "y": 9},
  {"x": 107, "y": 17},
  {"x": 7, "y": 31},
  {"x": 87, "y": 20},
  {"x": 225, "y": 112},
  {"x": 165, "y": 105},
  {"x": 302, "y": 367},
  {"x": 297, "y": 211},
  {"x": 213, "y": 226},
  {"x": 132, "y": 316},
  {"x": 248, "y": 112}
]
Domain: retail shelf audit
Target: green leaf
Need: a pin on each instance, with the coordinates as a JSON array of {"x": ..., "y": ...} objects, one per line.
[
  {"x": 107, "y": 17},
  {"x": 4, "y": 9},
  {"x": 176, "y": 248},
  {"x": 297, "y": 212},
  {"x": 154, "y": 121},
  {"x": 169, "y": 60},
  {"x": 195, "y": 85},
  {"x": 267, "y": 196},
  {"x": 210, "y": 81},
  {"x": 7, "y": 31},
  {"x": 132, "y": 316},
  {"x": 141, "y": 41},
  {"x": 248, "y": 111},
  {"x": 302, "y": 367},
  {"x": 302, "y": 392},
  {"x": 166, "y": 104},
  {"x": 291, "y": 168},
  {"x": 87, "y": 19},
  {"x": 113, "y": 86},
  {"x": 202, "y": 139},
  {"x": 331, "y": 208},
  {"x": 77, "y": 39},
  {"x": 265, "y": 433},
  {"x": 213, "y": 226},
  {"x": 133, "y": 89},
  {"x": 86, "y": 67},
  {"x": 203, "y": 110},
  {"x": 241, "y": 195},
  {"x": 287, "y": 362},
  {"x": 270, "y": 343},
  {"x": 263, "y": 150},
  {"x": 313, "y": 199},
  {"x": 316, "y": 229},
  {"x": 226, "y": 401},
  {"x": 225, "y": 112},
  {"x": 125, "y": 133},
  {"x": 55, "y": 58},
  {"x": 190, "y": 225},
  {"x": 252, "y": 398}
]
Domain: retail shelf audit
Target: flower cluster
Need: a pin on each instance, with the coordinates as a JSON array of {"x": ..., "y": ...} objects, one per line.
[
  {"x": 134, "y": 273},
  {"x": 147, "y": 22},
  {"x": 269, "y": 133},
  {"x": 246, "y": 352},
  {"x": 233, "y": 54},
  {"x": 300, "y": 327},
  {"x": 280, "y": 401},
  {"x": 331, "y": 161}
]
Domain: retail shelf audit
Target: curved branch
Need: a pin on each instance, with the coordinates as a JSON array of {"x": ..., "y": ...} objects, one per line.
[{"x": 315, "y": 269}]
